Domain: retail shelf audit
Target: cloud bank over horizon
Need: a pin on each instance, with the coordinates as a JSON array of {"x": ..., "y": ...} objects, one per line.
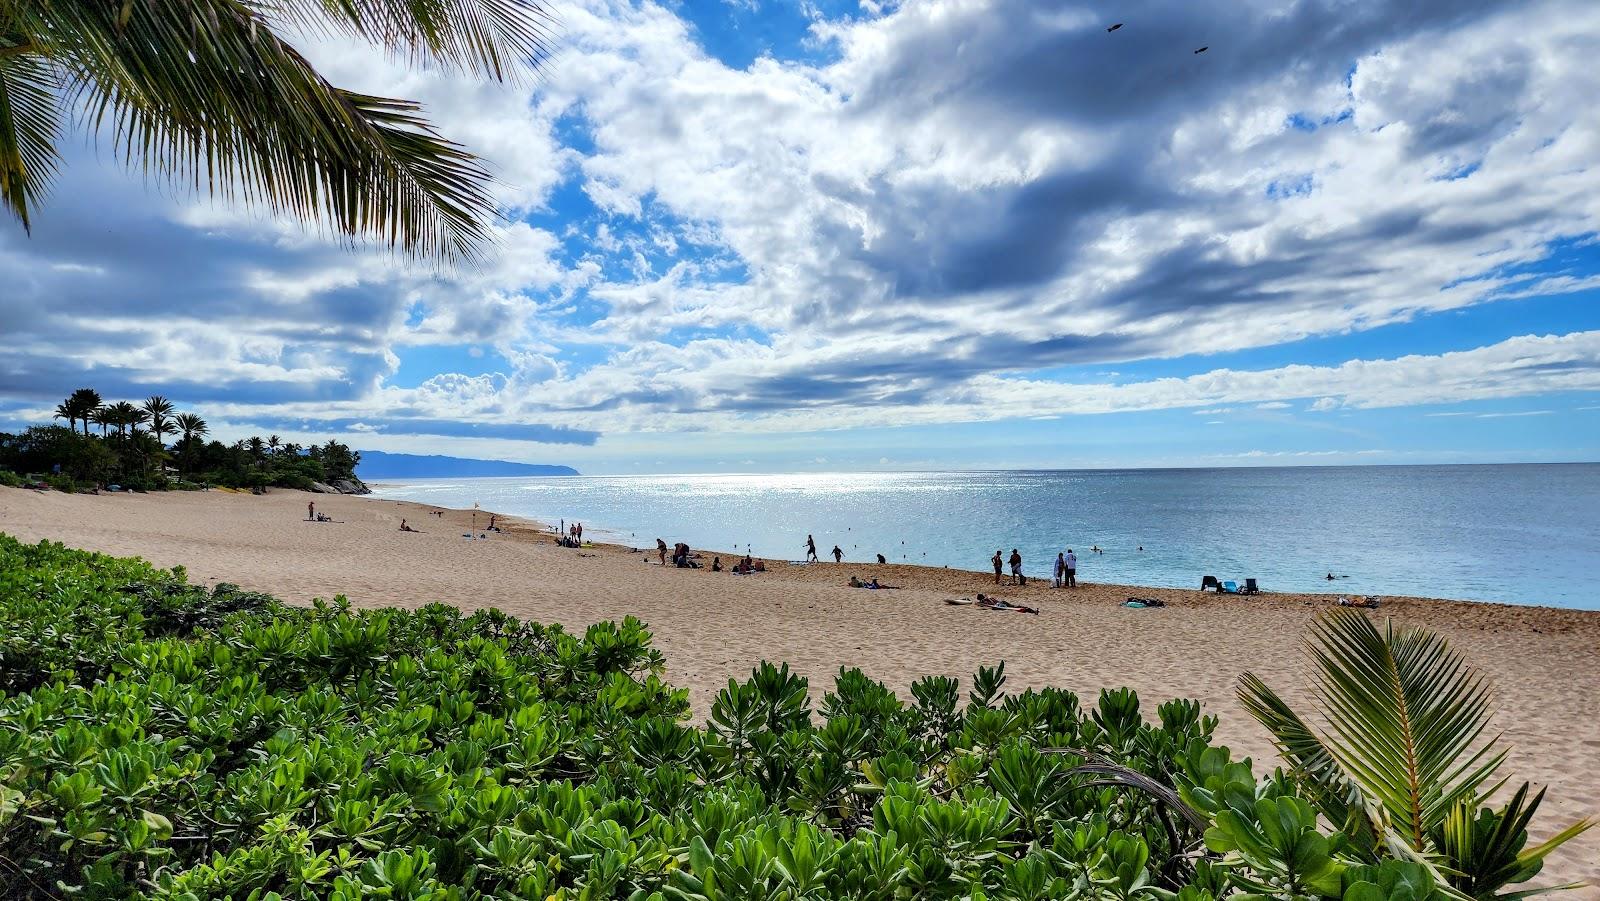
[{"x": 767, "y": 231}]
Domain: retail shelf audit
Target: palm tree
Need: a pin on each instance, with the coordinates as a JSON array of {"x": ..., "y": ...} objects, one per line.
[
  {"x": 191, "y": 426},
  {"x": 273, "y": 442},
  {"x": 65, "y": 411},
  {"x": 159, "y": 409},
  {"x": 101, "y": 417},
  {"x": 256, "y": 447},
  {"x": 123, "y": 415},
  {"x": 82, "y": 403},
  {"x": 210, "y": 94},
  {"x": 1403, "y": 767}
]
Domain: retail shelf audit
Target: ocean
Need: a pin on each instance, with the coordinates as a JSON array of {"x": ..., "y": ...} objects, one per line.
[{"x": 1523, "y": 534}]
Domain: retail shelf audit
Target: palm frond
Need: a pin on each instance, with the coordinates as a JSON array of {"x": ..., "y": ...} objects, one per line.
[
  {"x": 207, "y": 93},
  {"x": 1405, "y": 711},
  {"x": 497, "y": 39},
  {"x": 29, "y": 122},
  {"x": 1406, "y": 754}
]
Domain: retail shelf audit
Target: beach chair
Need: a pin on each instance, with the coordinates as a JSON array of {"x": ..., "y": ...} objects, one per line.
[
  {"x": 1250, "y": 587},
  {"x": 1210, "y": 582},
  {"x": 1229, "y": 587}
]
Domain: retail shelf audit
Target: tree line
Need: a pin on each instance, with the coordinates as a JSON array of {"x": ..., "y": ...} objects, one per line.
[{"x": 125, "y": 443}]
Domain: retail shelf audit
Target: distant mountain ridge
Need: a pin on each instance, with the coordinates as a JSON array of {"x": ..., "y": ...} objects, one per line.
[{"x": 378, "y": 465}]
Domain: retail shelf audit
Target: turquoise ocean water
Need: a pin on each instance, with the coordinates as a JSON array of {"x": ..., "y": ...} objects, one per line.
[{"x": 1527, "y": 534}]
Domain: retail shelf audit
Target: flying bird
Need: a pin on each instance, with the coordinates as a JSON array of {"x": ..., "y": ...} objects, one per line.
[
  {"x": 1114, "y": 27},
  {"x": 1203, "y": 49}
]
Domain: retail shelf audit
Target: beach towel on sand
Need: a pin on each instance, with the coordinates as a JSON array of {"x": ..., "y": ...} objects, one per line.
[{"x": 1142, "y": 603}]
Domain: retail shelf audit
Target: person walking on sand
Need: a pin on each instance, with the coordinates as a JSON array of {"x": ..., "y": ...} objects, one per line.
[
  {"x": 999, "y": 563},
  {"x": 661, "y": 551},
  {"x": 838, "y": 555},
  {"x": 1017, "y": 578},
  {"x": 1072, "y": 569},
  {"x": 811, "y": 549},
  {"x": 1061, "y": 572}
]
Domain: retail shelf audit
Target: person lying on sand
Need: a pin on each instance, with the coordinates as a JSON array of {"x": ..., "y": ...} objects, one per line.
[
  {"x": 989, "y": 603},
  {"x": 405, "y": 527},
  {"x": 1141, "y": 603},
  {"x": 1370, "y": 602},
  {"x": 872, "y": 583}
]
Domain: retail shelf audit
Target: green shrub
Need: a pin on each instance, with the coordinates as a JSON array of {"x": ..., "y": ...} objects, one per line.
[
  {"x": 61, "y": 483},
  {"x": 10, "y": 479},
  {"x": 164, "y": 741}
]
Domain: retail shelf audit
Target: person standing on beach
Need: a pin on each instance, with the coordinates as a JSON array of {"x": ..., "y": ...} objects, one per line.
[
  {"x": 838, "y": 555},
  {"x": 1017, "y": 578},
  {"x": 311, "y": 509},
  {"x": 811, "y": 549},
  {"x": 1061, "y": 571},
  {"x": 1072, "y": 569},
  {"x": 661, "y": 551},
  {"x": 998, "y": 562},
  {"x": 580, "y": 534}
]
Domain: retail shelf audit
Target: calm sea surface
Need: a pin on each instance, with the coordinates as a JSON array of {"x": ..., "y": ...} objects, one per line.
[{"x": 1527, "y": 534}]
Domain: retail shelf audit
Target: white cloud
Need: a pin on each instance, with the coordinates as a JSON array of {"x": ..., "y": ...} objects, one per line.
[{"x": 967, "y": 194}]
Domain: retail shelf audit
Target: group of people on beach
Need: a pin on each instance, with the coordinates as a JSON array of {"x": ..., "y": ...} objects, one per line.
[
  {"x": 838, "y": 555},
  {"x": 1066, "y": 569},
  {"x": 571, "y": 535}
]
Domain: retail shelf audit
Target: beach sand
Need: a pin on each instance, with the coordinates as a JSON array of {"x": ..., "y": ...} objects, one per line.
[{"x": 1544, "y": 662}]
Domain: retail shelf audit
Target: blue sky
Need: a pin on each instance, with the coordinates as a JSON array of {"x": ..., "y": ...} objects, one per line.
[{"x": 789, "y": 234}]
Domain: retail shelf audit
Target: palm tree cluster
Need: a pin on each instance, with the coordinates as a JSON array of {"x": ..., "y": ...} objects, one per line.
[
  {"x": 211, "y": 95},
  {"x": 156, "y": 414},
  {"x": 127, "y": 442}
]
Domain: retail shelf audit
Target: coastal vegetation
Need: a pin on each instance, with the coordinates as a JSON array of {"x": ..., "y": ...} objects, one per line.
[
  {"x": 213, "y": 96},
  {"x": 162, "y": 740},
  {"x": 124, "y": 443}
]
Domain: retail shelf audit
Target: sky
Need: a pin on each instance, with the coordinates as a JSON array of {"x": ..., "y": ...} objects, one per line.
[{"x": 778, "y": 235}]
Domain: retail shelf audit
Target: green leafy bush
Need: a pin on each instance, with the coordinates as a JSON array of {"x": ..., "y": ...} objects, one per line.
[
  {"x": 10, "y": 479},
  {"x": 160, "y": 740}
]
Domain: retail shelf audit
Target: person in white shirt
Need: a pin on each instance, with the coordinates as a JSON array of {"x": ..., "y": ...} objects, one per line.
[{"x": 1072, "y": 569}]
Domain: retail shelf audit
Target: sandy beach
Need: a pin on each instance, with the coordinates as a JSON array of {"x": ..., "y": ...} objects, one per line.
[{"x": 712, "y": 626}]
